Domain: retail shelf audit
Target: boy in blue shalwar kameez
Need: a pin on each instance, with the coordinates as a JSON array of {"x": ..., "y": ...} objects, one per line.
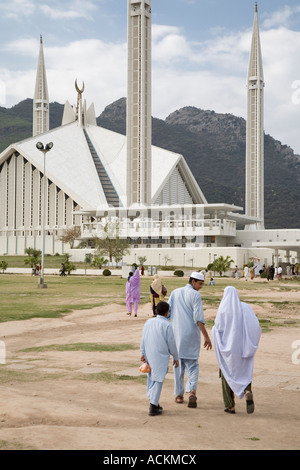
[{"x": 157, "y": 344}]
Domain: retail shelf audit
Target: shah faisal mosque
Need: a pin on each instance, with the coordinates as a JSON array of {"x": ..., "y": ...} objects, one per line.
[{"x": 93, "y": 177}]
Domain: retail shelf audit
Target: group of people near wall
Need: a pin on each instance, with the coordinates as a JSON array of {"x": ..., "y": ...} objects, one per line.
[
  {"x": 270, "y": 272},
  {"x": 248, "y": 272},
  {"x": 176, "y": 330}
]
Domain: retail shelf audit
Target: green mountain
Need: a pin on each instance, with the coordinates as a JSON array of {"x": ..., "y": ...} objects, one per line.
[{"x": 213, "y": 145}]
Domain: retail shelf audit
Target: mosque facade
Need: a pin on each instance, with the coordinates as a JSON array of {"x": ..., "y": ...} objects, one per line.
[{"x": 94, "y": 177}]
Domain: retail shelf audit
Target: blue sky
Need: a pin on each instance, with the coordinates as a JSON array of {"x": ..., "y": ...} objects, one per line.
[{"x": 200, "y": 53}]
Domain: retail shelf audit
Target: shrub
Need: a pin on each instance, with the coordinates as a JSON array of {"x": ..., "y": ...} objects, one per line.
[
  {"x": 69, "y": 267},
  {"x": 179, "y": 273},
  {"x": 3, "y": 265},
  {"x": 106, "y": 272}
]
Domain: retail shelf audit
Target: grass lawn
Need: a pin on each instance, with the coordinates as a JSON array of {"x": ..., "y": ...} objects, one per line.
[{"x": 21, "y": 299}]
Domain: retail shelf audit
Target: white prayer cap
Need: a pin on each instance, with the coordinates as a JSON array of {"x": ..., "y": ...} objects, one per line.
[{"x": 197, "y": 275}]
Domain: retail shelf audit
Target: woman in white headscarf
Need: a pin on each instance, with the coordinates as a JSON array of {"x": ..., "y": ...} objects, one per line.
[
  {"x": 157, "y": 292},
  {"x": 236, "y": 334}
]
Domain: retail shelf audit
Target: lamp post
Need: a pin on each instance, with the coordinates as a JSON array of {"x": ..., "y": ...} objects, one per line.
[{"x": 43, "y": 149}]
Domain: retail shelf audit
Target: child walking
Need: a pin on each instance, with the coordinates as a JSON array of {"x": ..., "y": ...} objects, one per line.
[{"x": 157, "y": 344}]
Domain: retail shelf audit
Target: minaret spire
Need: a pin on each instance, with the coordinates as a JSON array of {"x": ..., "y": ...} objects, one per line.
[
  {"x": 41, "y": 97},
  {"x": 255, "y": 130},
  {"x": 139, "y": 103}
]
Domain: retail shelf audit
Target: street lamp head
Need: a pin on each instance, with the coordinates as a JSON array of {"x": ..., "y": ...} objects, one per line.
[
  {"x": 45, "y": 148},
  {"x": 49, "y": 146}
]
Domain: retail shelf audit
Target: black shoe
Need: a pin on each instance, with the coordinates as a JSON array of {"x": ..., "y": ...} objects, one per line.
[
  {"x": 155, "y": 410},
  {"x": 232, "y": 411}
]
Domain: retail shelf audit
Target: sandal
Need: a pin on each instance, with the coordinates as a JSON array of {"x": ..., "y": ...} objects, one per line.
[
  {"x": 192, "y": 401},
  {"x": 128, "y": 313},
  {"x": 249, "y": 402},
  {"x": 179, "y": 399}
]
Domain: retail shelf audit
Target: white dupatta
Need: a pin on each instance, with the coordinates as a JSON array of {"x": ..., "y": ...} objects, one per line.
[{"x": 236, "y": 334}]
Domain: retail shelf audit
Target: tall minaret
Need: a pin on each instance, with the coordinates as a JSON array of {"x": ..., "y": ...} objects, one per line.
[
  {"x": 41, "y": 98},
  {"x": 138, "y": 120},
  {"x": 255, "y": 130}
]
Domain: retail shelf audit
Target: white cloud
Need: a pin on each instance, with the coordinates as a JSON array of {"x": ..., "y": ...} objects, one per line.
[
  {"x": 69, "y": 10},
  {"x": 53, "y": 9},
  {"x": 281, "y": 17},
  {"x": 28, "y": 47},
  {"x": 171, "y": 47},
  {"x": 17, "y": 9},
  {"x": 160, "y": 31}
]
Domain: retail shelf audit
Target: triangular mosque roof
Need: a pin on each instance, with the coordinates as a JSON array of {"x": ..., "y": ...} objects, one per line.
[{"x": 70, "y": 165}]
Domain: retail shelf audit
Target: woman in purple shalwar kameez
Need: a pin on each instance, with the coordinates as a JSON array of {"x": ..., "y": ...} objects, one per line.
[{"x": 133, "y": 292}]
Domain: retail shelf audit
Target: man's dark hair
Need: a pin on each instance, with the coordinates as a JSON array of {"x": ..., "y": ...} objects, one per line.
[{"x": 162, "y": 308}]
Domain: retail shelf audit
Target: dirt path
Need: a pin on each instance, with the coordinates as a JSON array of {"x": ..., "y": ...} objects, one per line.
[{"x": 55, "y": 400}]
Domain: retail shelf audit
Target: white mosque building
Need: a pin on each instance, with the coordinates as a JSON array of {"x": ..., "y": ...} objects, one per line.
[{"x": 93, "y": 176}]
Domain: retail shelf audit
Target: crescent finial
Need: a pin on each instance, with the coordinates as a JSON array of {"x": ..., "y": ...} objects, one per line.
[{"x": 77, "y": 88}]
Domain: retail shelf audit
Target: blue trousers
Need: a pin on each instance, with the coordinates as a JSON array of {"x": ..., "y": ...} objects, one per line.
[
  {"x": 191, "y": 367},
  {"x": 153, "y": 390}
]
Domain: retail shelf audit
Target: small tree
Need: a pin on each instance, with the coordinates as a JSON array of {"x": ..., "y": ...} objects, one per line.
[
  {"x": 70, "y": 235},
  {"x": 99, "y": 261},
  {"x": 3, "y": 265},
  {"x": 34, "y": 257},
  {"x": 110, "y": 244},
  {"x": 142, "y": 260},
  {"x": 221, "y": 264},
  {"x": 88, "y": 258},
  {"x": 167, "y": 259}
]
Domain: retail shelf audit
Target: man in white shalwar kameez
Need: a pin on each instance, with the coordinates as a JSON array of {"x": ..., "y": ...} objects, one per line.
[
  {"x": 157, "y": 344},
  {"x": 187, "y": 320},
  {"x": 236, "y": 334}
]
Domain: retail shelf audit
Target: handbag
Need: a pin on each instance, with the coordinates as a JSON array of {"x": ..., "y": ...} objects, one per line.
[{"x": 164, "y": 291}]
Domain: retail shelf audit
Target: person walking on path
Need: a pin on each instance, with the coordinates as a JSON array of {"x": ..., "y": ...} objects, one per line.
[
  {"x": 157, "y": 344},
  {"x": 187, "y": 320},
  {"x": 157, "y": 292},
  {"x": 236, "y": 334},
  {"x": 246, "y": 273},
  {"x": 236, "y": 273},
  {"x": 134, "y": 291},
  {"x": 128, "y": 294}
]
